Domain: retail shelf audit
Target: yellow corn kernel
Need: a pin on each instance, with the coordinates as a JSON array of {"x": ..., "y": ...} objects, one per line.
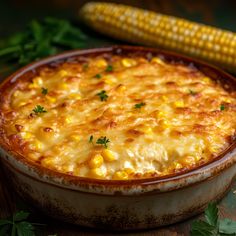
[
  {"x": 129, "y": 171},
  {"x": 96, "y": 161},
  {"x": 51, "y": 99},
  {"x": 160, "y": 114},
  {"x": 147, "y": 130},
  {"x": 213, "y": 149},
  {"x": 63, "y": 73},
  {"x": 206, "y": 79},
  {"x": 37, "y": 82},
  {"x": 157, "y": 60},
  {"x": 121, "y": 88},
  {"x": 179, "y": 104},
  {"x": 109, "y": 79},
  {"x": 177, "y": 165},
  {"x": 164, "y": 98},
  {"x": 36, "y": 145},
  {"x": 120, "y": 175},
  {"x": 16, "y": 93},
  {"x": 63, "y": 86},
  {"x": 164, "y": 123},
  {"x": 108, "y": 155},
  {"x": 68, "y": 119},
  {"x": 188, "y": 160},
  {"x": 228, "y": 100},
  {"x": 75, "y": 96},
  {"x": 101, "y": 63},
  {"x": 26, "y": 135},
  {"x": 75, "y": 137},
  {"x": 97, "y": 173},
  {"x": 128, "y": 62},
  {"x": 21, "y": 104}
]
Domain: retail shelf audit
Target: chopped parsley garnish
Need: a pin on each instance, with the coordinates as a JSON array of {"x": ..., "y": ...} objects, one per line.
[
  {"x": 139, "y": 105},
  {"x": 85, "y": 66},
  {"x": 17, "y": 225},
  {"x": 98, "y": 76},
  {"x": 222, "y": 107},
  {"x": 91, "y": 139},
  {"x": 109, "y": 68},
  {"x": 212, "y": 224},
  {"x": 39, "y": 109},
  {"x": 44, "y": 91},
  {"x": 192, "y": 92},
  {"x": 103, "y": 141},
  {"x": 103, "y": 96}
]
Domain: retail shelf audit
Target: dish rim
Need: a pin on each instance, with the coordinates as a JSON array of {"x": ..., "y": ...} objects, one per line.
[{"x": 214, "y": 163}]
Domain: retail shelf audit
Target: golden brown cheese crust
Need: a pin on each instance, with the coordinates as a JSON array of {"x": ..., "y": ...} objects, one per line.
[{"x": 114, "y": 117}]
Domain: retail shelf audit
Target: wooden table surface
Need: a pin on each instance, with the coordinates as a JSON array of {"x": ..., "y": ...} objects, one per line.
[{"x": 212, "y": 12}]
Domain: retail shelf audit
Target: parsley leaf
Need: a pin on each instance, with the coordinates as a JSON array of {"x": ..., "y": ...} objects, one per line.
[
  {"x": 91, "y": 139},
  {"x": 109, "y": 68},
  {"x": 98, "y": 76},
  {"x": 139, "y": 105},
  {"x": 222, "y": 107},
  {"x": 39, "y": 109},
  {"x": 25, "y": 228},
  {"x": 44, "y": 91},
  {"x": 212, "y": 226},
  {"x": 192, "y": 92},
  {"x": 21, "y": 215},
  {"x": 103, "y": 141},
  {"x": 103, "y": 96},
  {"x": 227, "y": 226},
  {"x": 211, "y": 214}
]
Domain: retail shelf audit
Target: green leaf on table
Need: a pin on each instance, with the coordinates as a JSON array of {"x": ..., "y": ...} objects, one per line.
[
  {"x": 202, "y": 228},
  {"x": 25, "y": 229},
  {"x": 211, "y": 214},
  {"x": 21, "y": 215},
  {"x": 227, "y": 226}
]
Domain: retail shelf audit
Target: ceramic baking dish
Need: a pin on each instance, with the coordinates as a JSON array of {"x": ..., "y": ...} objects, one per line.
[{"x": 126, "y": 204}]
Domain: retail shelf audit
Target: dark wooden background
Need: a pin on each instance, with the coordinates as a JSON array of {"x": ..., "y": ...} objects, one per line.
[{"x": 14, "y": 14}]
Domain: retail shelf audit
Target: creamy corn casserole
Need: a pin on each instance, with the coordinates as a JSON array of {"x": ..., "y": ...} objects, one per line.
[{"x": 114, "y": 117}]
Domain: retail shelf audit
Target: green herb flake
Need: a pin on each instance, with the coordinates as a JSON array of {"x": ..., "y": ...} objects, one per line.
[
  {"x": 222, "y": 107},
  {"x": 44, "y": 91},
  {"x": 103, "y": 141},
  {"x": 103, "y": 96},
  {"x": 109, "y": 68},
  {"x": 98, "y": 76},
  {"x": 139, "y": 105},
  {"x": 85, "y": 66},
  {"x": 39, "y": 109},
  {"x": 91, "y": 139},
  {"x": 193, "y": 93}
]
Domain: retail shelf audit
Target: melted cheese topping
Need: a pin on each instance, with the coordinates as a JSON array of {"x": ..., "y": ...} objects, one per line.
[{"x": 119, "y": 118}]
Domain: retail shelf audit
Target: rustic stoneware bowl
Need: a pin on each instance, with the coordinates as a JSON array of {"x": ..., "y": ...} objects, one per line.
[{"x": 119, "y": 205}]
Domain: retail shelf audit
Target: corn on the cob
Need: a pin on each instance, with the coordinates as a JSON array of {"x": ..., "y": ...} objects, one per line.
[{"x": 153, "y": 29}]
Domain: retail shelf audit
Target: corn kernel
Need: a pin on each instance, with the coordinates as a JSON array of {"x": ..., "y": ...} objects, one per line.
[
  {"x": 63, "y": 86},
  {"x": 164, "y": 98},
  {"x": 38, "y": 81},
  {"x": 109, "y": 79},
  {"x": 63, "y": 73},
  {"x": 101, "y": 63},
  {"x": 177, "y": 165},
  {"x": 37, "y": 145},
  {"x": 97, "y": 173},
  {"x": 164, "y": 123},
  {"x": 108, "y": 155},
  {"x": 120, "y": 175},
  {"x": 16, "y": 93},
  {"x": 228, "y": 100},
  {"x": 121, "y": 88},
  {"x": 75, "y": 96},
  {"x": 147, "y": 130},
  {"x": 96, "y": 161},
  {"x": 157, "y": 60},
  {"x": 159, "y": 114},
  {"x": 129, "y": 171},
  {"x": 75, "y": 137},
  {"x": 21, "y": 104},
  {"x": 179, "y": 104},
  {"x": 206, "y": 79},
  {"x": 188, "y": 160},
  {"x": 68, "y": 119},
  {"x": 26, "y": 135},
  {"x": 128, "y": 62},
  {"x": 51, "y": 99}
]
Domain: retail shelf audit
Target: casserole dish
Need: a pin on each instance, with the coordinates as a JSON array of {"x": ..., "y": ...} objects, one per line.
[{"x": 132, "y": 203}]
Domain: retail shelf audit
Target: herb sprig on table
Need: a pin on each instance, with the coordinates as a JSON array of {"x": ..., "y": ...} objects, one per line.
[
  {"x": 18, "y": 225},
  {"x": 212, "y": 225},
  {"x": 40, "y": 39}
]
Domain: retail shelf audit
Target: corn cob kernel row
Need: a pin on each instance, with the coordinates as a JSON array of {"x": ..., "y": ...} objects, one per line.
[{"x": 153, "y": 29}]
